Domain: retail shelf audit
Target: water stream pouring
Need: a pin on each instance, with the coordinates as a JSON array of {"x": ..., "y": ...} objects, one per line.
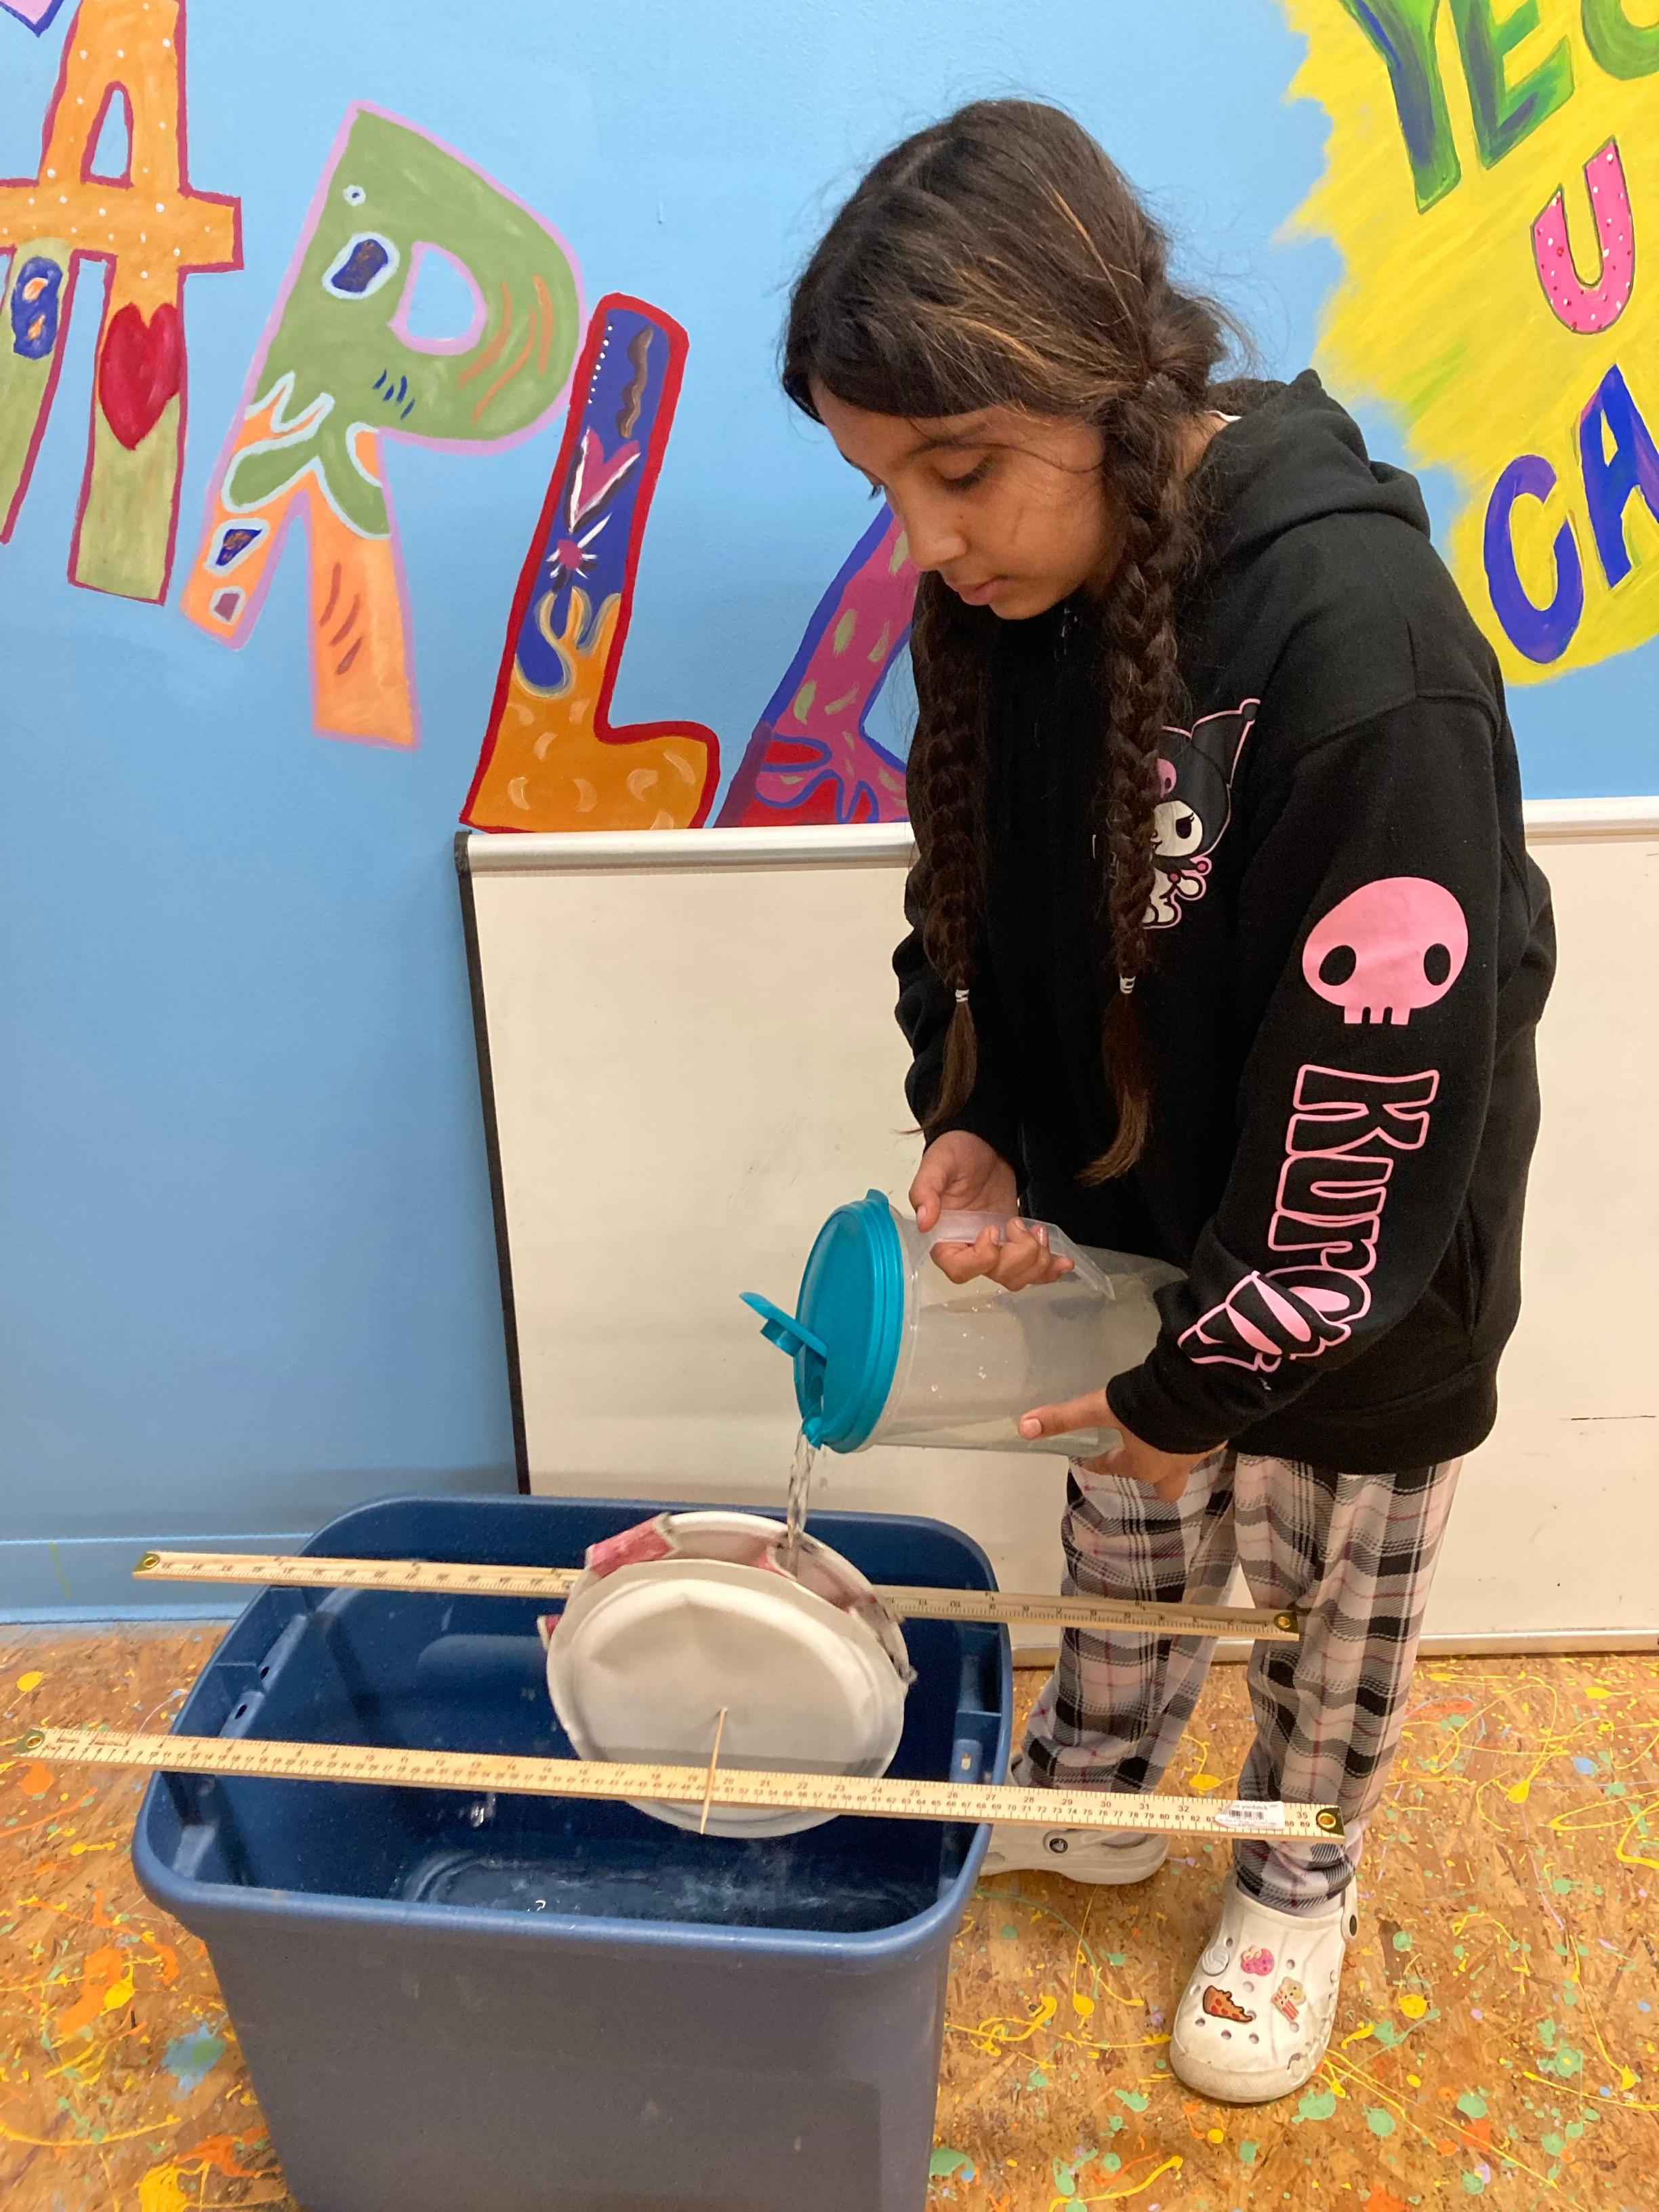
[{"x": 887, "y": 1350}]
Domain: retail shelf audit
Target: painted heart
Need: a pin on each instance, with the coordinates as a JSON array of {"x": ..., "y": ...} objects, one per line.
[{"x": 141, "y": 368}]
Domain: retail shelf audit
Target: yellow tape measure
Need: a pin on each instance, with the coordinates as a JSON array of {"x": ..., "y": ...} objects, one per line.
[
  {"x": 458, "y": 1578},
  {"x": 887, "y": 1799}
]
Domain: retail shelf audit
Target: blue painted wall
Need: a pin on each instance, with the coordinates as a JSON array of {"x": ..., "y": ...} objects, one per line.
[{"x": 247, "y": 1272}]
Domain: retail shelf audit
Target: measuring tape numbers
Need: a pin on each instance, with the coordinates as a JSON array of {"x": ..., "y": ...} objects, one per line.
[
  {"x": 886, "y": 1798},
  {"x": 460, "y": 1578}
]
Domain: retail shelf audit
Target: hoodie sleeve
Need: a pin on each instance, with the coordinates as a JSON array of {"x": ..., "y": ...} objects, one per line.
[
  {"x": 1367, "y": 933},
  {"x": 925, "y": 1005}
]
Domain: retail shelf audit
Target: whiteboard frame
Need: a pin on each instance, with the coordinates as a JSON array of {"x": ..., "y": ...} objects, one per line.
[
  {"x": 891, "y": 846},
  {"x": 877, "y": 845}
]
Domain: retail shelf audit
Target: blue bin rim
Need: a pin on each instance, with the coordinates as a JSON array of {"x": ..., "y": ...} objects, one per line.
[
  {"x": 202, "y": 1907},
  {"x": 834, "y": 1517}
]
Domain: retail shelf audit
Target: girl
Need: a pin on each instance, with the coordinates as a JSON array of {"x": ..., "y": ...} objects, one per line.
[{"x": 1225, "y": 949}]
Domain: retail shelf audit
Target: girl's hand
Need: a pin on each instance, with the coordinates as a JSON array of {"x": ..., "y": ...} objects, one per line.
[
  {"x": 1165, "y": 1473},
  {"x": 1014, "y": 1258},
  {"x": 961, "y": 1173}
]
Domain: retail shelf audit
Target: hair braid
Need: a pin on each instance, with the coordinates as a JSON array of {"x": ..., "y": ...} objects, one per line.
[
  {"x": 945, "y": 783},
  {"x": 1142, "y": 687},
  {"x": 999, "y": 259}
]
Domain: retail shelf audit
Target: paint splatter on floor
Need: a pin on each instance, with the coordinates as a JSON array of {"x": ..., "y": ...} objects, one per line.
[
  {"x": 1497, "y": 2038},
  {"x": 1497, "y": 2033},
  {"x": 121, "y": 2088}
]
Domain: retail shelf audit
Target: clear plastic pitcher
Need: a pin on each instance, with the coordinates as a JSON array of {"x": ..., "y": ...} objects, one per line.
[{"x": 887, "y": 1350}]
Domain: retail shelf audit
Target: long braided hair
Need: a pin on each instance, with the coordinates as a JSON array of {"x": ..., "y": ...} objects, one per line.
[{"x": 999, "y": 259}]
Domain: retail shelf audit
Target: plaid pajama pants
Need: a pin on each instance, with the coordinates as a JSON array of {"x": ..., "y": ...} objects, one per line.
[{"x": 1354, "y": 1554}]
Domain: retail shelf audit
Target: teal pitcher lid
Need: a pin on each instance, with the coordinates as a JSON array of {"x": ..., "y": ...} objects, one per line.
[{"x": 845, "y": 1332}]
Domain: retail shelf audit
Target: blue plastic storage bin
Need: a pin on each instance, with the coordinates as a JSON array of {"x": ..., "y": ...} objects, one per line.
[{"x": 540, "y": 2005}]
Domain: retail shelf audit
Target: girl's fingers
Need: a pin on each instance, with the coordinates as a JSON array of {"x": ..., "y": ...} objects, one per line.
[
  {"x": 1018, "y": 1271},
  {"x": 1169, "y": 1488},
  {"x": 1090, "y": 1412},
  {"x": 1015, "y": 1262},
  {"x": 1108, "y": 1463},
  {"x": 1021, "y": 1275},
  {"x": 1025, "y": 1258},
  {"x": 963, "y": 1263},
  {"x": 928, "y": 1196}
]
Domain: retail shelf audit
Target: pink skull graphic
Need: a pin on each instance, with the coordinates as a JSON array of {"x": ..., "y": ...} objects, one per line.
[{"x": 1387, "y": 949}]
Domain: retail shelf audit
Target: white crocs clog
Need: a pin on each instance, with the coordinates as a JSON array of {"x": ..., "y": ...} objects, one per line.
[{"x": 1258, "y": 2011}]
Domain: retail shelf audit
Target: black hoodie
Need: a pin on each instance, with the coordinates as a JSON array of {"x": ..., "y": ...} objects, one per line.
[{"x": 1351, "y": 950}]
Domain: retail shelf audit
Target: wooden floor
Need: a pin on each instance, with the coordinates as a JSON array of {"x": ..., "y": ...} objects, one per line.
[{"x": 1497, "y": 2037}]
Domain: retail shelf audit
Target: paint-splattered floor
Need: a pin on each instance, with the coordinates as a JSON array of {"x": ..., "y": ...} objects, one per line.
[{"x": 1497, "y": 2038}]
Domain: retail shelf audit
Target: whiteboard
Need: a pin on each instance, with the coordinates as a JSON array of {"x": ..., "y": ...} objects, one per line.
[{"x": 688, "y": 1058}]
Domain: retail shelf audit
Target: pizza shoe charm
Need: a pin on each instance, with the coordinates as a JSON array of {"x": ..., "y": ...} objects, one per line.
[{"x": 1221, "y": 2004}]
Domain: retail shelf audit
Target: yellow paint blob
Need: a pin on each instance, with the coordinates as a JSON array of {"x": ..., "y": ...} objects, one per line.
[
  {"x": 31, "y": 1680},
  {"x": 162, "y": 2191},
  {"x": 1414, "y": 2005}
]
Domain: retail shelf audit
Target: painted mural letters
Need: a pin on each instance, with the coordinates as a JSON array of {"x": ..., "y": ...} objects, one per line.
[
  {"x": 1622, "y": 48},
  {"x": 551, "y": 758},
  {"x": 339, "y": 370},
  {"x": 154, "y": 230},
  {"x": 812, "y": 757},
  {"x": 1597, "y": 306},
  {"x": 1541, "y": 628},
  {"x": 1620, "y": 464},
  {"x": 1492, "y": 194}
]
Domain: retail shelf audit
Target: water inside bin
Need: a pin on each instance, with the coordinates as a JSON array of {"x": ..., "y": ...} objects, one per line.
[
  {"x": 464, "y": 1675},
  {"x": 415, "y": 2051},
  {"x": 778, "y": 1882}
]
